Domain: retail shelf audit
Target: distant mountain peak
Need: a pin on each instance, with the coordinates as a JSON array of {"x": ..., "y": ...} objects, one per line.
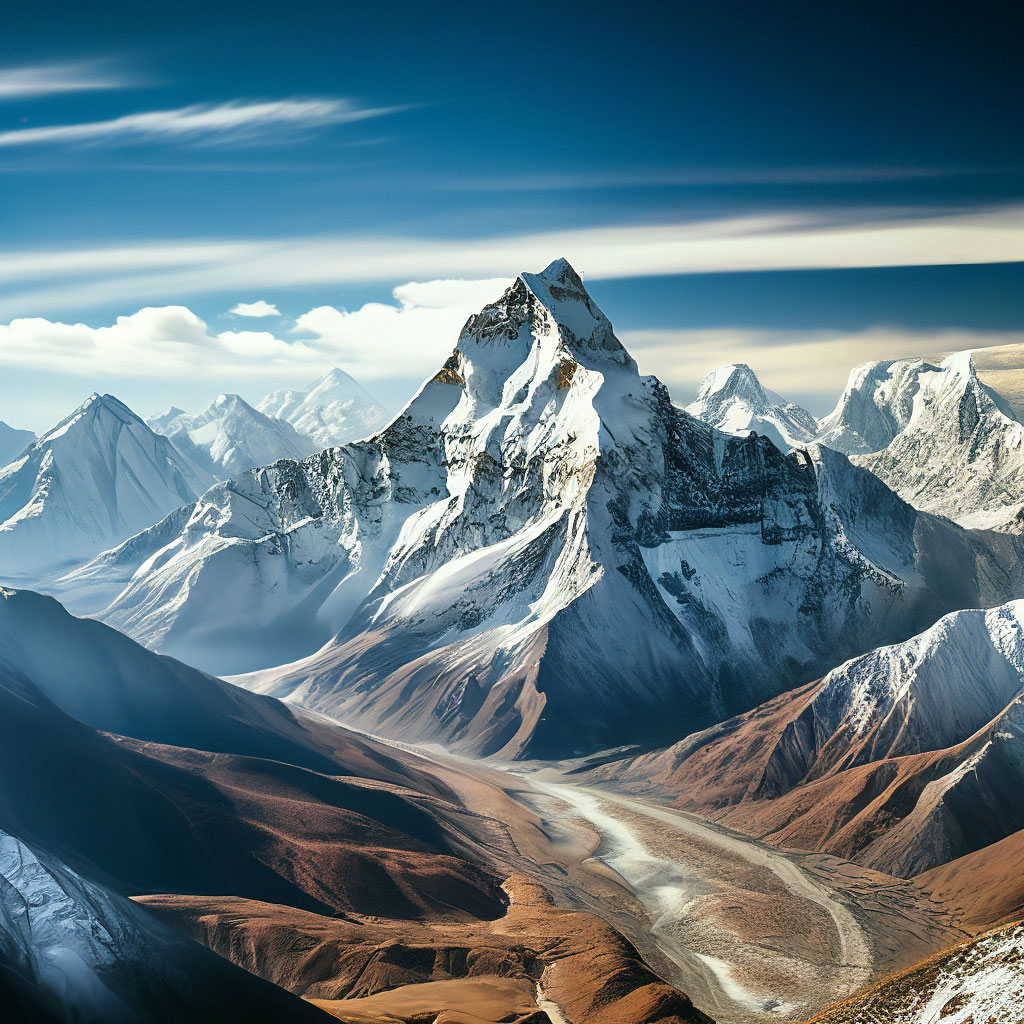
[
  {"x": 97, "y": 477},
  {"x": 333, "y": 409},
  {"x": 335, "y": 375},
  {"x": 229, "y": 436},
  {"x": 732, "y": 399},
  {"x": 13, "y": 442},
  {"x": 937, "y": 435}
]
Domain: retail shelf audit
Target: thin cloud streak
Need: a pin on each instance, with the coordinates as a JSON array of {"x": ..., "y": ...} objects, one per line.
[
  {"x": 223, "y": 122},
  {"x": 179, "y": 270},
  {"x": 825, "y": 174},
  {"x": 37, "y": 80}
]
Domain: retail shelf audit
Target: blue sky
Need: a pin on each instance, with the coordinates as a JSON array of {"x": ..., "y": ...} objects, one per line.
[{"x": 803, "y": 187}]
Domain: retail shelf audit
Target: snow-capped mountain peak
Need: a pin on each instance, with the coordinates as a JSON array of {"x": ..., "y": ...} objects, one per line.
[
  {"x": 876, "y": 405},
  {"x": 332, "y": 409},
  {"x": 957, "y": 449},
  {"x": 230, "y": 436},
  {"x": 487, "y": 561},
  {"x": 733, "y": 400},
  {"x": 95, "y": 478}
]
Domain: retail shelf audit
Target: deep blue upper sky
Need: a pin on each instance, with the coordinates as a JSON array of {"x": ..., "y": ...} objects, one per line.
[{"x": 486, "y": 121}]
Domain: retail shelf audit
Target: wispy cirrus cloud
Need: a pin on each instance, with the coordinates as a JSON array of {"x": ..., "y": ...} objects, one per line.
[
  {"x": 669, "y": 177},
  {"x": 238, "y": 121},
  {"x": 48, "y": 281},
  {"x": 35, "y": 80}
]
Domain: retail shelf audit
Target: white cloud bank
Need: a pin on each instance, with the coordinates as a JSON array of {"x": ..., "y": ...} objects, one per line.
[
  {"x": 260, "y": 308},
  {"x": 86, "y": 278},
  {"x": 221, "y": 122},
  {"x": 408, "y": 340}
]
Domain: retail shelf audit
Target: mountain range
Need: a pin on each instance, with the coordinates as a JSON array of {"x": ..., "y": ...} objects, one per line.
[
  {"x": 535, "y": 507},
  {"x": 935, "y": 434},
  {"x": 100, "y": 475},
  {"x": 103, "y": 474},
  {"x": 810, "y": 633},
  {"x": 230, "y": 436}
]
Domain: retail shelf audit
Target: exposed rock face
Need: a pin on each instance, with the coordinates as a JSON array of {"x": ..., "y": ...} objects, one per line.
[
  {"x": 542, "y": 555},
  {"x": 733, "y": 400},
  {"x": 97, "y": 477}
]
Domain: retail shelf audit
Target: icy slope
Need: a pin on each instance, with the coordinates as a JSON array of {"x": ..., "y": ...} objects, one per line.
[
  {"x": 732, "y": 399},
  {"x": 875, "y": 406},
  {"x": 979, "y": 981},
  {"x": 97, "y": 477},
  {"x": 230, "y": 436},
  {"x": 13, "y": 442},
  {"x": 960, "y": 453},
  {"x": 331, "y": 410},
  {"x": 72, "y": 951},
  {"x": 541, "y": 553}
]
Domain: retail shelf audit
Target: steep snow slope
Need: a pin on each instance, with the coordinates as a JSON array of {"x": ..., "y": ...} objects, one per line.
[
  {"x": 981, "y": 980},
  {"x": 732, "y": 399},
  {"x": 97, "y": 477},
  {"x": 72, "y": 951},
  {"x": 875, "y": 406},
  {"x": 230, "y": 436},
  {"x": 903, "y": 758},
  {"x": 13, "y": 442},
  {"x": 541, "y": 553},
  {"x": 961, "y": 452},
  {"x": 936, "y": 435},
  {"x": 332, "y": 410}
]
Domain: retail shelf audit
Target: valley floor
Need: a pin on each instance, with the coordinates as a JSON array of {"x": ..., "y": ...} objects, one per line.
[{"x": 751, "y": 933}]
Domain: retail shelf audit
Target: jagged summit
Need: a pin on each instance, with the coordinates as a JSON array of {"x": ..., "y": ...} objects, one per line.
[
  {"x": 555, "y": 310},
  {"x": 958, "y": 450},
  {"x": 732, "y": 399},
  {"x": 875, "y": 405},
  {"x": 487, "y": 561}
]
